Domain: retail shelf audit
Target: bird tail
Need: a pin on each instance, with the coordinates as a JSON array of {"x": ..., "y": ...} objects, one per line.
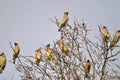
[
  {"x": 86, "y": 75},
  {"x": 0, "y": 71},
  {"x": 14, "y": 60},
  {"x": 37, "y": 63},
  {"x": 112, "y": 44}
]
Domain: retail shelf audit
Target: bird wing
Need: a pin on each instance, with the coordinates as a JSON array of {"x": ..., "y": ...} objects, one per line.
[
  {"x": 63, "y": 22},
  {"x": 3, "y": 66}
]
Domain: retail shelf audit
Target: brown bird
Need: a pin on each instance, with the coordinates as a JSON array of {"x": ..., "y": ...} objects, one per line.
[
  {"x": 63, "y": 47},
  {"x": 48, "y": 52},
  {"x": 105, "y": 33},
  {"x": 87, "y": 68},
  {"x": 2, "y": 62},
  {"x": 64, "y": 21},
  {"x": 16, "y": 52},
  {"x": 38, "y": 56},
  {"x": 115, "y": 38}
]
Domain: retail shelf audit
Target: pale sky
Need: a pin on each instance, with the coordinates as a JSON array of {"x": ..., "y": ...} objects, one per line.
[{"x": 27, "y": 23}]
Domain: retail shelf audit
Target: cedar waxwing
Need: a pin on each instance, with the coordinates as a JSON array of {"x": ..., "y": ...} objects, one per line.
[
  {"x": 105, "y": 33},
  {"x": 64, "y": 20},
  {"x": 63, "y": 47},
  {"x": 2, "y": 61},
  {"x": 115, "y": 38},
  {"x": 87, "y": 68},
  {"x": 48, "y": 52},
  {"x": 38, "y": 56},
  {"x": 16, "y": 51}
]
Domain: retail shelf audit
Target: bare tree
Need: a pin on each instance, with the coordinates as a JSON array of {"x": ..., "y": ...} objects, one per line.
[{"x": 72, "y": 66}]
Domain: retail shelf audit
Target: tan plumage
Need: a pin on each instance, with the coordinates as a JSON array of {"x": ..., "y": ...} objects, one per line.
[
  {"x": 63, "y": 47},
  {"x": 38, "y": 56},
  {"x": 16, "y": 52},
  {"x": 105, "y": 33},
  {"x": 64, "y": 20},
  {"x": 87, "y": 68},
  {"x": 2, "y": 61},
  {"x": 115, "y": 38},
  {"x": 49, "y": 52}
]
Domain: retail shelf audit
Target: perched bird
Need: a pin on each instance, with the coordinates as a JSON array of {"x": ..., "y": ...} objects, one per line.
[
  {"x": 87, "y": 68},
  {"x": 2, "y": 62},
  {"x": 63, "y": 47},
  {"x": 16, "y": 52},
  {"x": 38, "y": 56},
  {"x": 115, "y": 38},
  {"x": 48, "y": 52},
  {"x": 64, "y": 20},
  {"x": 105, "y": 33}
]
